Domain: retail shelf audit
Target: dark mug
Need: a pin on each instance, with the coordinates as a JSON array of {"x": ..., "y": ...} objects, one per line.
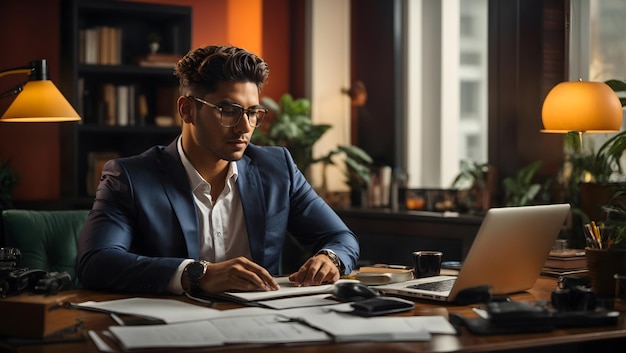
[{"x": 426, "y": 263}]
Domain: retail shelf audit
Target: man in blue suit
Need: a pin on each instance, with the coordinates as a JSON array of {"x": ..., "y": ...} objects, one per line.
[{"x": 210, "y": 212}]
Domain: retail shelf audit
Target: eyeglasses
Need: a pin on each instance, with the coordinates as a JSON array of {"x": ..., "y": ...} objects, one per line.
[{"x": 231, "y": 113}]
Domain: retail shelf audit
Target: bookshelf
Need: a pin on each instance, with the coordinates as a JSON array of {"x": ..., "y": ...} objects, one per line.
[{"x": 117, "y": 70}]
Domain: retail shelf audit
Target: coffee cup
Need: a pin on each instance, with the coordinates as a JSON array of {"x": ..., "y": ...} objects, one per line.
[{"x": 426, "y": 263}]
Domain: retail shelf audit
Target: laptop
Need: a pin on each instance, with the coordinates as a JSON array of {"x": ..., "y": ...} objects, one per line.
[{"x": 507, "y": 254}]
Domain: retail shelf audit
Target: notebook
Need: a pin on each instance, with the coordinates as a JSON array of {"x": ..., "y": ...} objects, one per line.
[{"x": 507, "y": 254}]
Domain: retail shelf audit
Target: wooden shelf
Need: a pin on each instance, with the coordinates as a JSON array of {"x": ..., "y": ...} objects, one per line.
[{"x": 108, "y": 125}]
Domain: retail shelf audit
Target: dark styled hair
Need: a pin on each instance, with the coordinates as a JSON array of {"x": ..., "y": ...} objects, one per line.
[{"x": 203, "y": 68}]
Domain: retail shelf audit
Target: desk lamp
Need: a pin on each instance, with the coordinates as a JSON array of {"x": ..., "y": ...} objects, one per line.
[
  {"x": 38, "y": 99},
  {"x": 581, "y": 106}
]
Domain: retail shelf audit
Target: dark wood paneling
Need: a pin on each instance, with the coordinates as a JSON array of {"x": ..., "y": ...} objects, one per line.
[
  {"x": 526, "y": 58},
  {"x": 373, "y": 62}
]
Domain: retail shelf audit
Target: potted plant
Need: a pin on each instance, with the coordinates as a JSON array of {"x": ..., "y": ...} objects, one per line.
[
  {"x": 357, "y": 162},
  {"x": 521, "y": 190},
  {"x": 606, "y": 257},
  {"x": 471, "y": 185},
  {"x": 292, "y": 128},
  {"x": 590, "y": 178}
]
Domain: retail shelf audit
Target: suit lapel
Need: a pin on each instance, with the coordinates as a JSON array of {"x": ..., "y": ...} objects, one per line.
[
  {"x": 176, "y": 186},
  {"x": 251, "y": 194}
]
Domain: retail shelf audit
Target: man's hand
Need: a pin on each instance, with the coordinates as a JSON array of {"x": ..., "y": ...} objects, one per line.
[
  {"x": 315, "y": 271},
  {"x": 237, "y": 274}
]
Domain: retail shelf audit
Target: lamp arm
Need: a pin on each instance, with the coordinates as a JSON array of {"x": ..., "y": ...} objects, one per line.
[{"x": 17, "y": 70}]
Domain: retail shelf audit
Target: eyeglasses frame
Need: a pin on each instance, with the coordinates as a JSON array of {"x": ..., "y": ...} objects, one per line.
[{"x": 246, "y": 111}]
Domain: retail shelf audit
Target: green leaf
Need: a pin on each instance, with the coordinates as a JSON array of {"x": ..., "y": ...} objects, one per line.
[
  {"x": 616, "y": 85},
  {"x": 292, "y": 128},
  {"x": 356, "y": 153},
  {"x": 270, "y": 104}
]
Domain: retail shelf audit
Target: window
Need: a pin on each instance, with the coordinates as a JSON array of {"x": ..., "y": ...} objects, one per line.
[{"x": 446, "y": 88}]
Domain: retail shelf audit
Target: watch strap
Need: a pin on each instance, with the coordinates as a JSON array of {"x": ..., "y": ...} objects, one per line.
[
  {"x": 195, "y": 276},
  {"x": 334, "y": 258}
]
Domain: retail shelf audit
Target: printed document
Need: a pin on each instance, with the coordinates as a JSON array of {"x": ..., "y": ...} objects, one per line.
[
  {"x": 168, "y": 310},
  {"x": 287, "y": 289}
]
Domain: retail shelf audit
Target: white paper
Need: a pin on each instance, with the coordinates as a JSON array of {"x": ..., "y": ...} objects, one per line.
[
  {"x": 434, "y": 324},
  {"x": 287, "y": 289},
  {"x": 267, "y": 329},
  {"x": 99, "y": 342},
  {"x": 187, "y": 334},
  {"x": 299, "y": 302},
  {"x": 294, "y": 325},
  {"x": 386, "y": 328},
  {"x": 168, "y": 310},
  {"x": 293, "y": 312}
]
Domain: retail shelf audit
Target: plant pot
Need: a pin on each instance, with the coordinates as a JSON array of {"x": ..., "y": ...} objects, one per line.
[
  {"x": 358, "y": 198},
  {"x": 603, "y": 265}
]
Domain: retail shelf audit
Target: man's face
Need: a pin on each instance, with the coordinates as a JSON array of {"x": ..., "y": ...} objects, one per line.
[{"x": 212, "y": 139}]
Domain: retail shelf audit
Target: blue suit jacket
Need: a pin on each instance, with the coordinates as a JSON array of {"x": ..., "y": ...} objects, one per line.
[{"x": 144, "y": 222}]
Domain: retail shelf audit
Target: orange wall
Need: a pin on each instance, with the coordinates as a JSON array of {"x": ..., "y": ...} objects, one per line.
[
  {"x": 30, "y": 29},
  {"x": 261, "y": 26}
]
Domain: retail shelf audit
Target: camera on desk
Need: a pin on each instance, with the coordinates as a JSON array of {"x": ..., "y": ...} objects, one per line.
[{"x": 15, "y": 279}]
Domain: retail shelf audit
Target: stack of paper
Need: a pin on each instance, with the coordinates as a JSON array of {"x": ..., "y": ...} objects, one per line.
[
  {"x": 255, "y": 325},
  {"x": 281, "y": 328}
]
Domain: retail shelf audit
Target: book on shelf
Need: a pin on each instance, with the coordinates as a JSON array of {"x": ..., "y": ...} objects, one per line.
[
  {"x": 101, "y": 45},
  {"x": 109, "y": 100},
  {"x": 118, "y": 104},
  {"x": 122, "y": 105},
  {"x": 158, "y": 60}
]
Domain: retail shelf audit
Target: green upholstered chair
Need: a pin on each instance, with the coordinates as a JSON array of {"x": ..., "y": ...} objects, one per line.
[{"x": 48, "y": 240}]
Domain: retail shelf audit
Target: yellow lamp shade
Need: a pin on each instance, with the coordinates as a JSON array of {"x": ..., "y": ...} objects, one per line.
[
  {"x": 40, "y": 101},
  {"x": 581, "y": 106}
]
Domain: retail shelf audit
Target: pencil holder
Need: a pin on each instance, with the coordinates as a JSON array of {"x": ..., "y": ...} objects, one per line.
[{"x": 603, "y": 265}]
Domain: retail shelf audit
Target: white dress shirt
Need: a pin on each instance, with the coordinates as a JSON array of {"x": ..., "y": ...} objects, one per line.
[{"x": 222, "y": 226}]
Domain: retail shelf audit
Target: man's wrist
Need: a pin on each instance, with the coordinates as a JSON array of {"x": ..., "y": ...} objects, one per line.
[{"x": 334, "y": 258}]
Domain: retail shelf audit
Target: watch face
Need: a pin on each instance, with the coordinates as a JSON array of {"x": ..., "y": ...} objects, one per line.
[{"x": 195, "y": 270}]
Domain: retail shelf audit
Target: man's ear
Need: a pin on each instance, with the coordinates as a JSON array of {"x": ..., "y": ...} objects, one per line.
[{"x": 185, "y": 109}]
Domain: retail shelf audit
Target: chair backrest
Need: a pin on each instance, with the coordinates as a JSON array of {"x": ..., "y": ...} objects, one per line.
[{"x": 48, "y": 240}]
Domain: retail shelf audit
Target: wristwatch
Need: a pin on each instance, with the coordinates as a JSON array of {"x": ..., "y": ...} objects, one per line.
[
  {"x": 194, "y": 272},
  {"x": 334, "y": 258}
]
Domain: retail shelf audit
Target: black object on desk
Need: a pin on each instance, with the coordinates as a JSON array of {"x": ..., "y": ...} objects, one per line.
[
  {"x": 353, "y": 291},
  {"x": 521, "y": 317},
  {"x": 378, "y": 306}
]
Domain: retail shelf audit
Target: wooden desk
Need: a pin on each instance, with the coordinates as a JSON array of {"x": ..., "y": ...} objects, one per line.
[{"x": 610, "y": 338}]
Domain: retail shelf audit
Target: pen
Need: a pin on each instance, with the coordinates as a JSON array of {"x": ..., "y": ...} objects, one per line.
[
  {"x": 590, "y": 239},
  {"x": 596, "y": 233}
]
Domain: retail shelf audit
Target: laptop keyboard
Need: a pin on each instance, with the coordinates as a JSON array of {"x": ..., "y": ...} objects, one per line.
[{"x": 440, "y": 286}]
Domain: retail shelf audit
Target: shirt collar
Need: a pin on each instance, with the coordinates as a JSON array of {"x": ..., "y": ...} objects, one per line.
[{"x": 194, "y": 177}]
